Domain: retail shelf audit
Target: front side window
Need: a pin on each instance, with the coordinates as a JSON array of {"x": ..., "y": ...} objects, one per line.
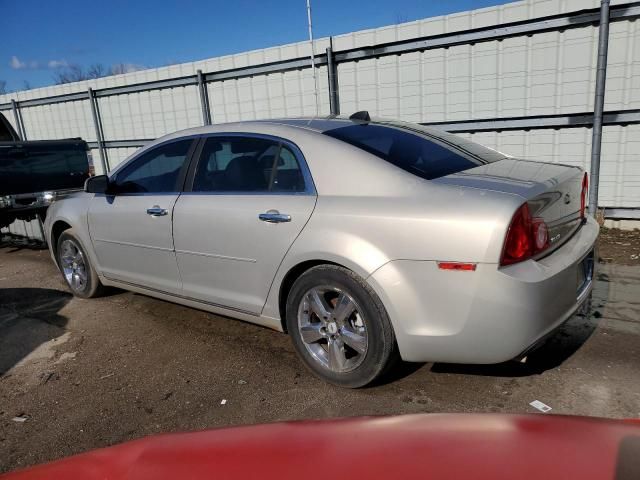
[
  {"x": 156, "y": 171},
  {"x": 406, "y": 149},
  {"x": 247, "y": 164}
]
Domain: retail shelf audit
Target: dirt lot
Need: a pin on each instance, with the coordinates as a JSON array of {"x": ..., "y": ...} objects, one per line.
[
  {"x": 621, "y": 247},
  {"x": 89, "y": 373}
]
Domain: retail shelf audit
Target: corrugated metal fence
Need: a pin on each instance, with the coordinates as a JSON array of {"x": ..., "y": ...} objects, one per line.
[{"x": 519, "y": 77}]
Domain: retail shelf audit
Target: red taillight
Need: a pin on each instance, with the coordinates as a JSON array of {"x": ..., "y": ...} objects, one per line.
[
  {"x": 518, "y": 245},
  {"x": 540, "y": 234},
  {"x": 526, "y": 237},
  {"x": 583, "y": 194}
]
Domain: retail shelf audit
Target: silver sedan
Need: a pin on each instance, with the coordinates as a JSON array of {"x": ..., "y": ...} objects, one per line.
[{"x": 365, "y": 240}]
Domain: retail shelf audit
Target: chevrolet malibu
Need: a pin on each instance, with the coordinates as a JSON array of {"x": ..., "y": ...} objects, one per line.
[{"x": 365, "y": 240}]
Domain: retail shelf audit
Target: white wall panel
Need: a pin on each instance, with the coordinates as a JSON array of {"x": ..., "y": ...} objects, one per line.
[
  {"x": 150, "y": 114},
  {"x": 548, "y": 73},
  {"x": 620, "y": 162},
  {"x": 61, "y": 120},
  {"x": 286, "y": 94},
  {"x": 8, "y": 114},
  {"x": 542, "y": 74}
]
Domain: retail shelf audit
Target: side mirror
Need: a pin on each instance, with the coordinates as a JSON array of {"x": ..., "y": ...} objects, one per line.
[{"x": 97, "y": 184}]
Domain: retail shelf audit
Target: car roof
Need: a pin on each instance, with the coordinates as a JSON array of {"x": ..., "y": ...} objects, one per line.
[{"x": 315, "y": 124}]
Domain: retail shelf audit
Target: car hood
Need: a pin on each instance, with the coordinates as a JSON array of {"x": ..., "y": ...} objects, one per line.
[{"x": 480, "y": 446}]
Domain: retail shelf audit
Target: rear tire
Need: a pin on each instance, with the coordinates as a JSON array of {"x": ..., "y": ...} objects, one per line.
[
  {"x": 339, "y": 327},
  {"x": 76, "y": 268}
]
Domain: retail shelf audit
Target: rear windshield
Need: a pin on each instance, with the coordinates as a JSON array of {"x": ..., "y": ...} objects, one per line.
[
  {"x": 422, "y": 152},
  {"x": 37, "y": 167}
]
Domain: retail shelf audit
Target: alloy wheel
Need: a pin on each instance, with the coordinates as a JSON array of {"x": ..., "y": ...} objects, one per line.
[
  {"x": 73, "y": 265},
  {"x": 332, "y": 328}
]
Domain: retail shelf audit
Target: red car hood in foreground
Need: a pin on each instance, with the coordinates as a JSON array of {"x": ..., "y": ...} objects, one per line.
[{"x": 412, "y": 446}]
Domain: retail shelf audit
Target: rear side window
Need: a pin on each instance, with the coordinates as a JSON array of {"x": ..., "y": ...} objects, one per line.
[
  {"x": 247, "y": 164},
  {"x": 411, "y": 152}
]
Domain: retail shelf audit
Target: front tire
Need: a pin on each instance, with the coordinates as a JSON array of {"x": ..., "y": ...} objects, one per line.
[
  {"x": 76, "y": 268},
  {"x": 339, "y": 327}
]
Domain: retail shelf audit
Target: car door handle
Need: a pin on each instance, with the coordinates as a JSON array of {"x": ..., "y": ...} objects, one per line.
[
  {"x": 273, "y": 216},
  {"x": 156, "y": 211}
]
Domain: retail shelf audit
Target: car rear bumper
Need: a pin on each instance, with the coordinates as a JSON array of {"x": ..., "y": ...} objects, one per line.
[{"x": 489, "y": 315}]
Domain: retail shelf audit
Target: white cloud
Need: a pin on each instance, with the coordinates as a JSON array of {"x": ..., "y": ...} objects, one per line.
[
  {"x": 57, "y": 63},
  {"x": 16, "y": 64}
]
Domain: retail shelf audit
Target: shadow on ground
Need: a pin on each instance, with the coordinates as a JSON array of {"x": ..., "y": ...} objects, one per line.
[
  {"x": 28, "y": 318},
  {"x": 17, "y": 242}
]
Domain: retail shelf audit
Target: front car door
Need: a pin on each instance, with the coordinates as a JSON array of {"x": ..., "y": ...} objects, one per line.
[
  {"x": 250, "y": 198},
  {"x": 131, "y": 227}
]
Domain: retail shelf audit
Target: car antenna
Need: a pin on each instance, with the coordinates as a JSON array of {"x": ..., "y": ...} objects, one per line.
[{"x": 363, "y": 115}]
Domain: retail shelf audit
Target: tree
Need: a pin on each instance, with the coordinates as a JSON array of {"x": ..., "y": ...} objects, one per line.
[
  {"x": 75, "y": 73},
  {"x": 96, "y": 70},
  {"x": 3, "y": 87},
  {"x": 71, "y": 73},
  {"x": 119, "y": 68},
  {"x": 26, "y": 85}
]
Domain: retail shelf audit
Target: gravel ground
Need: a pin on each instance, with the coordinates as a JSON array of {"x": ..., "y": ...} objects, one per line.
[
  {"x": 83, "y": 374},
  {"x": 621, "y": 247}
]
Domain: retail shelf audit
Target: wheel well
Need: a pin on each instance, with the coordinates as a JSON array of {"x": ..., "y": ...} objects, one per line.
[
  {"x": 288, "y": 281},
  {"x": 56, "y": 230}
]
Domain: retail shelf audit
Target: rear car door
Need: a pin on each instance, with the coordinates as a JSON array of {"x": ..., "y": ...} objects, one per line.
[
  {"x": 131, "y": 227},
  {"x": 250, "y": 198}
]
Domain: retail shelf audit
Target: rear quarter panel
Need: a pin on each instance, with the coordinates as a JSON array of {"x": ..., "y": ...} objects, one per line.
[{"x": 369, "y": 213}]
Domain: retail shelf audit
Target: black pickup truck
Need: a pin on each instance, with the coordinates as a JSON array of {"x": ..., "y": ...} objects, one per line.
[{"x": 34, "y": 173}]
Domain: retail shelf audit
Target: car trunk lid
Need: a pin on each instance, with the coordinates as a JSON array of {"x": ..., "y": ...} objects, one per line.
[{"x": 552, "y": 191}]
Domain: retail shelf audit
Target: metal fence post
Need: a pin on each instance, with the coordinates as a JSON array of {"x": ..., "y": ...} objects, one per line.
[
  {"x": 98, "y": 126},
  {"x": 204, "y": 99},
  {"x": 18, "y": 119},
  {"x": 21, "y": 120},
  {"x": 598, "y": 107},
  {"x": 332, "y": 76}
]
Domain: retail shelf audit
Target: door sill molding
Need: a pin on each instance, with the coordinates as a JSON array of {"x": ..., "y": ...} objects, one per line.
[
  {"x": 129, "y": 244},
  {"x": 214, "y": 255},
  {"x": 183, "y": 297}
]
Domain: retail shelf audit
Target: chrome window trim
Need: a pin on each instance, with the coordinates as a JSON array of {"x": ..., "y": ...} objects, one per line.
[
  {"x": 254, "y": 194},
  {"x": 140, "y": 194},
  {"x": 309, "y": 185}
]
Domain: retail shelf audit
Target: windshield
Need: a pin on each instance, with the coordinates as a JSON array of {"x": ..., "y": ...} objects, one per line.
[{"x": 425, "y": 152}]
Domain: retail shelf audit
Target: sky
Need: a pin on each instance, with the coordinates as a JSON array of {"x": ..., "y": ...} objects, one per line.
[{"x": 39, "y": 37}]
